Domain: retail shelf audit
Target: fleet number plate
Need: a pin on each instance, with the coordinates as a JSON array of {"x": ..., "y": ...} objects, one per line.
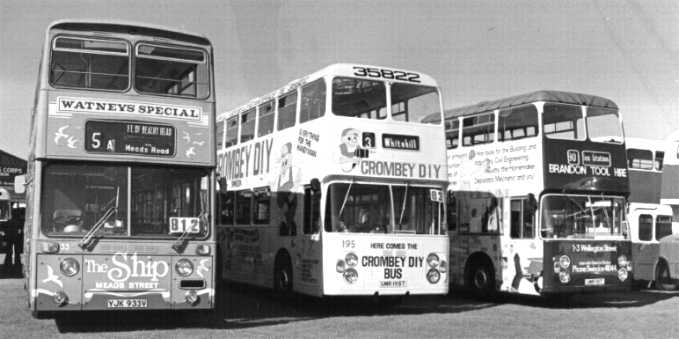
[
  {"x": 126, "y": 303},
  {"x": 594, "y": 282}
]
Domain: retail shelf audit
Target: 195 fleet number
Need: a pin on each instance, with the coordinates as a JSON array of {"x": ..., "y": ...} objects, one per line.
[{"x": 386, "y": 74}]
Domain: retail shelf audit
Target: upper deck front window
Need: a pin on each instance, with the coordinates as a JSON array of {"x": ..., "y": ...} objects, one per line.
[
  {"x": 582, "y": 216},
  {"x": 603, "y": 125},
  {"x": 90, "y": 63},
  {"x": 359, "y": 98},
  {"x": 171, "y": 70},
  {"x": 564, "y": 122},
  {"x": 414, "y": 102}
]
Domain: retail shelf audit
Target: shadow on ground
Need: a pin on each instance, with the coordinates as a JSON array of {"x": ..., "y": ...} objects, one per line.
[{"x": 245, "y": 307}]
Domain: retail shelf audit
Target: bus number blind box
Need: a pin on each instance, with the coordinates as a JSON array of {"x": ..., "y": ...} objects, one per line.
[{"x": 130, "y": 138}]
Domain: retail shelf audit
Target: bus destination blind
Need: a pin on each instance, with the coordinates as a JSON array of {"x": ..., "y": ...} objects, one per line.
[{"x": 129, "y": 138}]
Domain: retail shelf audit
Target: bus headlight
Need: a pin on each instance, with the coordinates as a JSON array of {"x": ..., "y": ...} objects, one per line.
[
  {"x": 69, "y": 267},
  {"x": 433, "y": 276},
  {"x": 443, "y": 266},
  {"x": 50, "y": 247},
  {"x": 564, "y": 277},
  {"x": 433, "y": 260},
  {"x": 622, "y": 274},
  {"x": 350, "y": 275},
  {"x": 184, "y": 267},
  {"x": 351, "y": 259},
  {"x": 622, "y": 260},
  {"x": 564, "y": 261},
  {"x": 341, "y": 266}
]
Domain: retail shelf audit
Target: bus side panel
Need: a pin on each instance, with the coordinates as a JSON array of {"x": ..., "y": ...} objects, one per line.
[
  {"x": 644, "y": 257},
  {"x": 51, "y": 282},
  {"x": 594, "y": 266}
]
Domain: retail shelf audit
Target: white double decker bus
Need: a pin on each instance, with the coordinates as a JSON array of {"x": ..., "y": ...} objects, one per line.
[{"x": 333, "y": 185}]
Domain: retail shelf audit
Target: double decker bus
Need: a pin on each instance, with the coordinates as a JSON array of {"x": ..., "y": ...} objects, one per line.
[
  {"x": 537, "y": 195},
  {"x": 333, "y": 186},
  {"x": 119, "y": 194},
  {"x": 649, "y": 221},
  {"x": 669, "y": 193}
]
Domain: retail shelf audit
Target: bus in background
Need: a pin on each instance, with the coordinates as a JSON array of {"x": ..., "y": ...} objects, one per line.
[
  {"x": 333, "y": 186},
  {"x": 538, "y": 187},
  {"x": 119, "y": 194},
  {"x": 669, "y": 194},
  {"x": 649, "y": 221}
]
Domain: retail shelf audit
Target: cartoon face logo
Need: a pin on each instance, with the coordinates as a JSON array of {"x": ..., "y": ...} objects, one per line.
[{"x": 350, "y": 152}]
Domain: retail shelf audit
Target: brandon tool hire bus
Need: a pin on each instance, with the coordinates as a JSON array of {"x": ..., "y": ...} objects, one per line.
[
  {"x": 122, "y": 157},
  {"x": 538, "y": 194},
  {"x": 334, "y": 185}
]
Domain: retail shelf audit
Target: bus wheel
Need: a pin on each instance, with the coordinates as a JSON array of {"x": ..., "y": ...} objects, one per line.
[
  {"x": 482, "y": 280},
  {"x": 283, "y": 276},
  {"x": 663, "y": 281}
]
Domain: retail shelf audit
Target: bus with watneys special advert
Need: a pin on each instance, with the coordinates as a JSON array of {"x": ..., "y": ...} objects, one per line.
[
  {"x": 120, "y": 178},
  {"x": 332, "y": 185},
  {"x": 537, "y": 195}
]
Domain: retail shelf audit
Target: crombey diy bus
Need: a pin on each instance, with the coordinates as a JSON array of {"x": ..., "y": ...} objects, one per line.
[
  {"x": 120, "y": 211},
  {"x": 537, "y": 195},
  {"x": 332, "y": 185}
]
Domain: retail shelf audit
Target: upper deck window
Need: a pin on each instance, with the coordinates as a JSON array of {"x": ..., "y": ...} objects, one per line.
[
  {"x": 414, "y": 102},
  {"x": 247, "y": 125},
  {"x": 90, "y": 63},
  {"x": 603, "y": 125},
  {"x": 265, "y": 125},
  {"x": 231, "y": 131},
  {"x": 564, "y": 122},
  {"x": 452, "y": 133},
  {"x": 359, "y": 98},
  {"x": 287, "y": 109},
  {"x": 478, "y": 129},
  {"x": 220, "y": 133},
  {"x": 640, "y": 159},
  {"x": 313, "y": 101},
  {"x": 659, "y": 157},
  {"x": 517, "y": 123},
  {"x": 171, "y": 70}
]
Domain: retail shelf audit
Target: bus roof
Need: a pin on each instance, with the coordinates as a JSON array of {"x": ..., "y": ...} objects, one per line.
[
  {"x": 543, "y": 95},
  {"x": 345, "y": 69},
  {"x": 128, "y": 27}
]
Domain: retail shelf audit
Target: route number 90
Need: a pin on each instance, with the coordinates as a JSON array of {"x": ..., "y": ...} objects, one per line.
[{"x": 386, "y": 74}]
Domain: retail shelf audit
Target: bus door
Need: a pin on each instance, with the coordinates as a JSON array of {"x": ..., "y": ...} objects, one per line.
[
  {"x": 521, "y": 250},
  {"x": 309, "y": 250},
  {"x": 644, "y": 248}
]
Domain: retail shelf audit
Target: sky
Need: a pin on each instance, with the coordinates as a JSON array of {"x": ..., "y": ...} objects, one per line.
[{"x": 627, "y": 51}]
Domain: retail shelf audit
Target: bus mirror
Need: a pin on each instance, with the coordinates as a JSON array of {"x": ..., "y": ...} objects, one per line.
[
  {"x": 221, "y": 185},
  {"x": 315, "y": 185},
  {"x": 20, "y": 184}
]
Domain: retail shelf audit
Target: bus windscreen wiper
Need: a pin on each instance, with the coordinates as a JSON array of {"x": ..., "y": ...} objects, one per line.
[
  {"x": 403, "y": 206},
  {"x": 86, "y": 241},
  {"x": 346, "y": 197}
]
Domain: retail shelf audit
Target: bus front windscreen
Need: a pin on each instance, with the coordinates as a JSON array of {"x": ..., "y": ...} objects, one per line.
[
  {"x": 367, "y": 99},
  {"x": 582, "y": 217},
  {"x": 381, "y": 208},
  {"x": 139, "y": 201}
]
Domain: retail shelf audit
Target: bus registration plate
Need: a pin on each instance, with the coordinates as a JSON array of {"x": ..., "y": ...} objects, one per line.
[
  {"x": 594, "y": 282},
  {"x": 126, "y": 303}
]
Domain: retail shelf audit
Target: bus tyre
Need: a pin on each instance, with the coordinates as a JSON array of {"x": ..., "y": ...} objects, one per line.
[
  {"x": 283, "y": 276},
  {"x": 663, "y": 281},
  {"x": 481, "y": 280}
]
